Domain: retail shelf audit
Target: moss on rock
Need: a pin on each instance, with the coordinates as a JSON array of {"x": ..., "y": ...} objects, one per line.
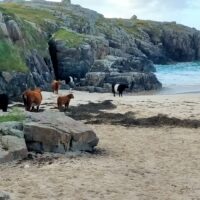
[
  {"x": 71, "y": 38},
  {"x": 14, "y": 115}
]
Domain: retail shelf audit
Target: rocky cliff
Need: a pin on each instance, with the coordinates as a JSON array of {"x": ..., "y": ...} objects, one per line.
[{"x": 40, "y": 40}]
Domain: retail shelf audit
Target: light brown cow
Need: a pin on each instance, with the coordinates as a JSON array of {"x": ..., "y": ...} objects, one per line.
[
  {"x": 55, "y": 86},
  {"x": 64, "y": 100},
  {"x": 32, "y": 98}
]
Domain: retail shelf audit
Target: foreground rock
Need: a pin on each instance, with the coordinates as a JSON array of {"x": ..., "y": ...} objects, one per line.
[
  {"x": 12, "y": 143},
  {"x": 44, "y": 132},
  {"x": 4, "y": 196},
  {"x": 55, "y": 132}
]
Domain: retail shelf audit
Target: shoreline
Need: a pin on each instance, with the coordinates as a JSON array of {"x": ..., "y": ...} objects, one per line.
[{"x": 172, "y": 90}]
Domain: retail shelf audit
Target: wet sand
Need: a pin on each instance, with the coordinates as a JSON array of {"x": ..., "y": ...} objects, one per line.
[{"x": 129, "y": 163}]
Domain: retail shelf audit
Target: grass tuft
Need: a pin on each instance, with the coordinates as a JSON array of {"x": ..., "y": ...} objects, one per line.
[
  {"x": 14, "y": 115},
  {"x": 71, "y": 38}
]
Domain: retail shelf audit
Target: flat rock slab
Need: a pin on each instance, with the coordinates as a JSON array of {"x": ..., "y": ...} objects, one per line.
[
  {"x": 12, "y": 148},
  {"x": 4, "y": 196},
  {"x": 55, "y": 132}
]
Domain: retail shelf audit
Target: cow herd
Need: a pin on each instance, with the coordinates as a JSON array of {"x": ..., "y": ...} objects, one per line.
[{"x": 33, "y": 98}]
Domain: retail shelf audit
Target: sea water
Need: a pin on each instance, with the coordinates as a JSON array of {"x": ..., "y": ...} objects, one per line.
[{"x": 179, "y": 78}]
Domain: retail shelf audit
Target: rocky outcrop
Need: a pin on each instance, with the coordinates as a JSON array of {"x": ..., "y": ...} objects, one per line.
[
  {"x": 136, "y": 81},
  {"x": 22, "y": 67},
  {"x": 39, "y": 75},
  {"x": 82, "y": 41},
  {"x": 73, "y": 61},
  {"x": 75, "y": 58},
  {"x": 54, "y": 132}
]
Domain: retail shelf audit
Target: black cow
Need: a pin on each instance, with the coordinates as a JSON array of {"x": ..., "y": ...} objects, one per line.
[
  {"x": 118, "y": 88},
  {"x": 4, "y": 102}
]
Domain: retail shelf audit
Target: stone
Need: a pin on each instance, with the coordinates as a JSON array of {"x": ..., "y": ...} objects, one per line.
[
  {"x": 12, "y": 148},
  {"x": 95, "y": 78},
  {"x": 12, "y": 128},
  {"x": 43, "y": 138},
  {"x": 54, "y": 132},
  {"x": 14, "y": 30},
  {"x": 4, "y": 196}
]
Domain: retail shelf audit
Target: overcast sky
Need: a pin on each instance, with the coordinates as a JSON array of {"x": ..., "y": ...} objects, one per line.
[{"x": 186, "y": 12}]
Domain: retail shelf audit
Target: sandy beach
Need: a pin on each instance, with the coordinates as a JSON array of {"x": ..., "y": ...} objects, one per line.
[{"x": 130, "y": 163}]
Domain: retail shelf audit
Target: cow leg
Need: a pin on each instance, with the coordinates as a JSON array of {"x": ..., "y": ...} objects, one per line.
[
  {"x": 5, "y": 109},
  {"x": 28, "y": 107},
  {"x": 66, "y": 106}
]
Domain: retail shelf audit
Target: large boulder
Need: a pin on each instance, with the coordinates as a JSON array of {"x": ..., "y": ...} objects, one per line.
[{"x": 54, "y": 132}]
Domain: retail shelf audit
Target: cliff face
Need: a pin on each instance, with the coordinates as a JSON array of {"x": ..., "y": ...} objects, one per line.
[
  {"x": 43, "y": 39},
  {"x": 24, "y": 57}
]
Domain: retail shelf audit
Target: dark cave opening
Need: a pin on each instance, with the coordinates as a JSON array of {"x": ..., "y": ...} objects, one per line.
[{"x": 53, "y": 55}]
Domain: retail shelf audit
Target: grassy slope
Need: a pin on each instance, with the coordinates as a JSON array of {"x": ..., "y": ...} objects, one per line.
[
  {"x": 24, "y": 12},
  {"x": 135, "y": 27},
  {"x": 30, "y": 21}
]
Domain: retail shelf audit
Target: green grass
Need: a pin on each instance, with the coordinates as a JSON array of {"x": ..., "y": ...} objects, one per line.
[
  {"x": 10, "y": 58},
  {"x": 72, "y": 39},
  {"x": 25, "y": 12},
  {"x": 14, "y": 115}
]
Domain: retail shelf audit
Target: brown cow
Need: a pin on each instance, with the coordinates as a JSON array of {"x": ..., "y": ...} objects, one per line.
[
  {"x": 32, "y": 98},
  {"x": 55, "y": 86},
  {"x": 64, "y": 100}
]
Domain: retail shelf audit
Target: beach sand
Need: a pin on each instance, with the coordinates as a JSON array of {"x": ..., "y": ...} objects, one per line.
[{"x": 130, "y": 163}]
